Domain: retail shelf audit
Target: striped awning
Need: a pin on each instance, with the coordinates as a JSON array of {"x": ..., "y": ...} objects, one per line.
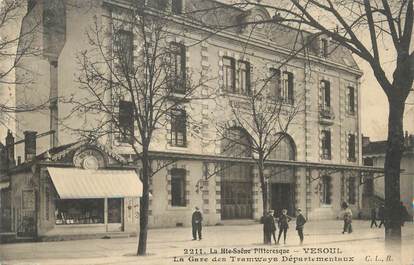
[{"x": 76, "y": 183}]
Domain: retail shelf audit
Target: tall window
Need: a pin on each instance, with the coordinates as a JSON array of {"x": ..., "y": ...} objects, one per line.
[
  {"x": 178, "y": 128},
  {"x": 275, "y": 84},
  {"x": 287, "y": 92},
  {"x": 351, "y": 147},
  {"x": 229, "y": 74},
  {"x": 326, "y": 94},
  {"x": 244, "y": 77},
  {"x": 178, "y": 67},
  {"x": 126, "y": 121},
  {"x": 326, "y": 190},
  {"x": 178, "y": 187},
  {"x": 177, "y": 6},
  {"x": 124, "y": 44},
  {"x": 324, "y": 47},
  {"x": 351, "y": 99},
  {"x": 326, "y": 144}
]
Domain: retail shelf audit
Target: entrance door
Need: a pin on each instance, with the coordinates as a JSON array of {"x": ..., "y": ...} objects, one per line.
[
  {"x": 115, "y": 214},
  {"x": 236, "y": 192},
  {"x": 282, "y": 198}
]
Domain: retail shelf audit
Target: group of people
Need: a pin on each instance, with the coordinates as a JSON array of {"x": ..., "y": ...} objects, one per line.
[
  {"x": 269, "y": 222},
  {"x": 269, "y": 226},
  {"x": 379, "y": 214}
]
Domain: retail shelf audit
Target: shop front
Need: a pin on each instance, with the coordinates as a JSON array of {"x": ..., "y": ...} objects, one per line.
[
  {"x": 83, "y": 189},
  {"x": 86, "y": 201}
]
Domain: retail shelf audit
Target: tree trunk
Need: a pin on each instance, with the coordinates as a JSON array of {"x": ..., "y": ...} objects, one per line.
[
  {"x": 144, "y": 202},
  {"x": 264, "y": 185},
  {"x": 393, "y": 157}
]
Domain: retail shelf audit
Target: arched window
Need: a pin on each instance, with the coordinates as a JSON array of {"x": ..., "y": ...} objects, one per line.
[
  {"x": 236, "y": 143},
  {"x": 285, "y": 150}
]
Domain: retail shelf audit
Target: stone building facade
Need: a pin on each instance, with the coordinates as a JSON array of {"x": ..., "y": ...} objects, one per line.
[{"x": 319, "y": 160}]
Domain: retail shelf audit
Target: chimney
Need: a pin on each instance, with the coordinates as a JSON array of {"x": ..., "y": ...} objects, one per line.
[
  {"x": 29, "y": 145},
  {"x": 10, "y": 149}
]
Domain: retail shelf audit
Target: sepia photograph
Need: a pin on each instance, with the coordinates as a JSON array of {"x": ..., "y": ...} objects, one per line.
[{"x": 169, "y": 132}]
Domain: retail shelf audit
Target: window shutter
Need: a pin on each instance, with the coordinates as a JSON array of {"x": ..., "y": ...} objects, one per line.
[
  {"x": 328, "y": 142},
  {"x": 233, "y": 74},
  {"x": 183, "y": 64},
  {"x": 249, "y": 78},
  {"x": 328, "y": 93},
  {"x": 290, "y": 88}
]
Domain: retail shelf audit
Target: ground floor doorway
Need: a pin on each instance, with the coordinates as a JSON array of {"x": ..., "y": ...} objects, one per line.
[
  {"x": 236, "y": 192},
  {"x": 282, "y": 197}
]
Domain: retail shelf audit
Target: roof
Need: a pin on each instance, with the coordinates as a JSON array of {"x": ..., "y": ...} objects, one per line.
[{"x": 377, "y": 147}]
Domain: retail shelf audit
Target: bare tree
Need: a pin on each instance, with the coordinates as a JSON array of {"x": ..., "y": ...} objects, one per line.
[
  {"x": 389, "y": 24},
  {"x": 136, "y": 90},
  {"x": 259, "y": 122}
]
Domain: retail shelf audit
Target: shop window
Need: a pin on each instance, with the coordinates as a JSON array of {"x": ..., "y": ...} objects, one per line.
[
  {"x": 126, "y": 121},
  {"x": 326, "y": 190},
  {"x": 124, "y": 44},
  {"x": 244, "y": 78},
  {"x": 229, "y": 74},
  {"x": 326, "y": 144},
  {"x": 288, "y": 92},
  {"x": 351, "y": 190},
  {"x": 351, "y": 147},
  {"x": 178, "y": 67},
  {"x": 179, "y": 128},
  {"x": 82, "y": 211},
  {"x": 178, "y": 187},
  {"x": 351, "y": 100},
  {"x": 326, "y": 95},
  {"x": 115, "y": 210}
]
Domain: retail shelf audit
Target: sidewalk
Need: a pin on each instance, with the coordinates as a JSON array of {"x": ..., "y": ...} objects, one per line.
[{"x": 165, "y": 244}]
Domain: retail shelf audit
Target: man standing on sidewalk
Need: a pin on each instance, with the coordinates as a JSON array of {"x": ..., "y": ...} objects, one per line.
[
  {"x": 196, "y": 222},
  {"x": 381, "y": 215},
  {"x": 300, "y": 223},
  {"x": 374, "y": 216}
]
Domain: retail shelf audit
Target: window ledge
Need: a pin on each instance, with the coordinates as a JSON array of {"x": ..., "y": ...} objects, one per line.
[
  {"x": 178, "y": 208},
  {"x": 326, "y": 206},
  {"x": 177, "y": 148}
]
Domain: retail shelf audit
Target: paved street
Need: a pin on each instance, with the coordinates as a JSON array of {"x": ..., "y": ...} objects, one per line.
[{"x": 174, "y": 246}]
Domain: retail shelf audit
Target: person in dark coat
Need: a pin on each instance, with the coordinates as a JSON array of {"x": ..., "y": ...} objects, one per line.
[
  {"x": 347, "y": 216},
  {"x": 273, "y": 225},
  {"x": 374, "y": 216},
  {"x": 268, "y": 222},
  {"x": 196, "y": 222},
  {"x": 381, "y": 215},
  {"x": 300, "y": 223},
  {"x": 403, "y": 213},
  {"x": 283, "y": 225}
]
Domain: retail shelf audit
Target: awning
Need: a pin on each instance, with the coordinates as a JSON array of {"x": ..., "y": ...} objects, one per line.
[
  {"x": 75, "y": 183},
  {"x": 4, "y": 185}
]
